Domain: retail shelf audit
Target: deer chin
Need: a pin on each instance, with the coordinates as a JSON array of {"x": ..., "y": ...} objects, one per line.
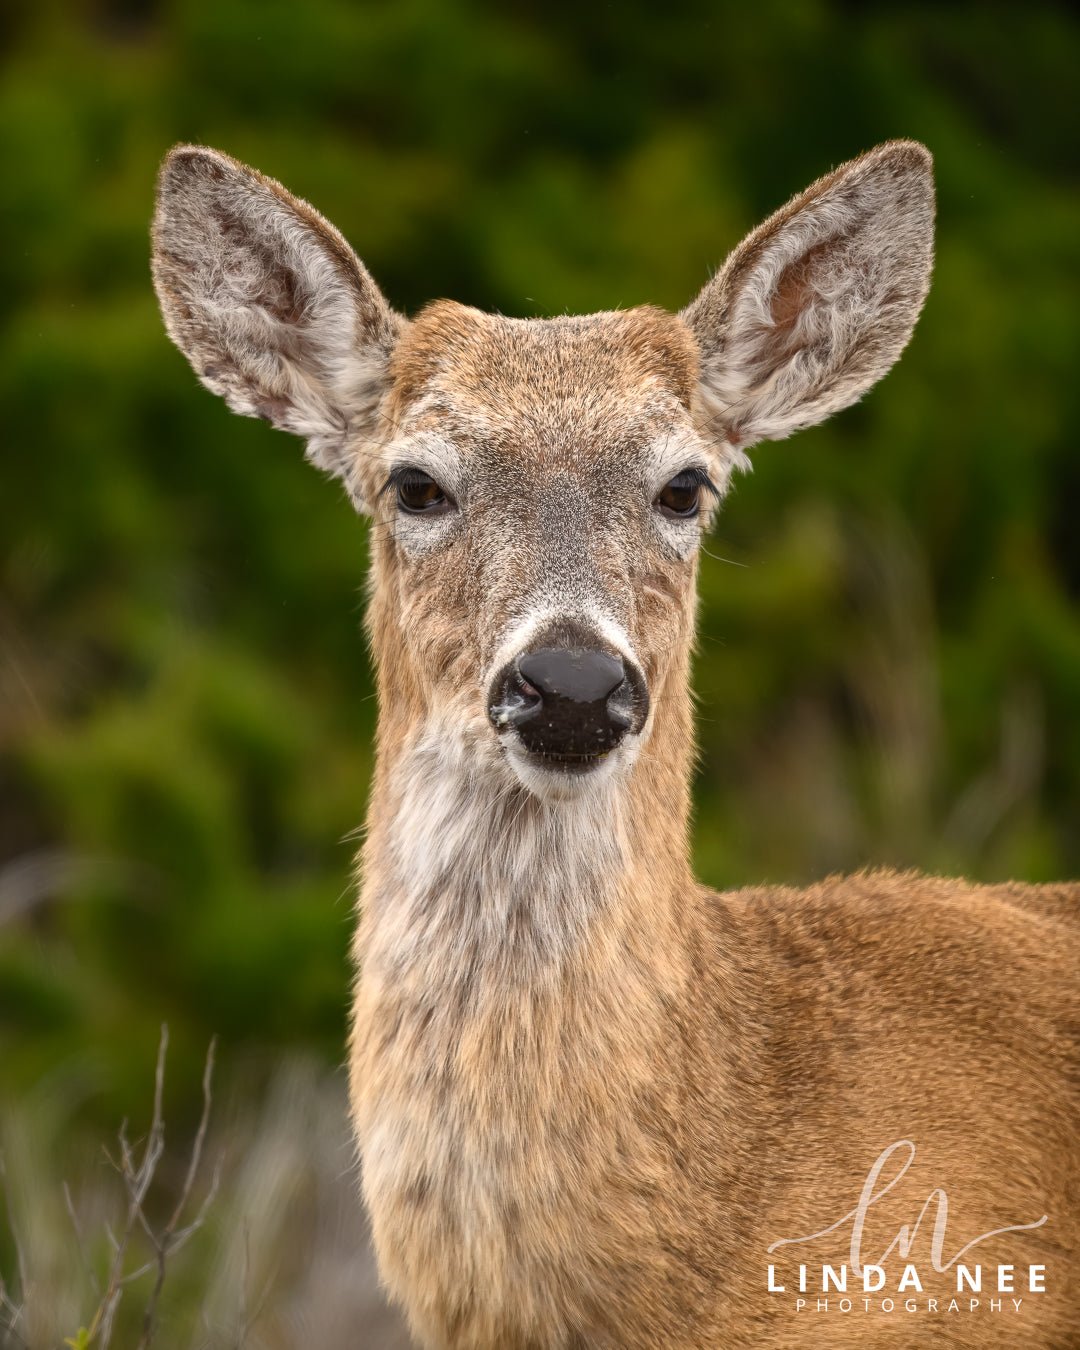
[{"x": 556, "y": 778}]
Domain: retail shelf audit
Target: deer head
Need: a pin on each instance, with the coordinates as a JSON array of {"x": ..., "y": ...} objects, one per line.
[{"x": 539, "y": 487}]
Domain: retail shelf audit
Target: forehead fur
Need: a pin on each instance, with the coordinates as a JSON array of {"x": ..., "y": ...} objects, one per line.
[{"x": 517, "y": 365}]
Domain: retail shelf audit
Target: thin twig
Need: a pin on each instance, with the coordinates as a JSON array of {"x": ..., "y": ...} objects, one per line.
[
  {"x": 200, "y": 1139},
  {"x": 137, "y": 1183},
  {"x": 169, "y": 1239},
  {"x": 136, "y": 1165}
]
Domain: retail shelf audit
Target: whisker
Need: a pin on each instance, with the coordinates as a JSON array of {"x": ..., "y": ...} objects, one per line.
[{"x": 716, "y": 557}]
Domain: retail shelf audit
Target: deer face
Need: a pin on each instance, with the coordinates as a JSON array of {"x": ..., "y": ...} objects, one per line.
[
  {"x": 539, "y": 506},
  {"x": 538, "y": 488}
]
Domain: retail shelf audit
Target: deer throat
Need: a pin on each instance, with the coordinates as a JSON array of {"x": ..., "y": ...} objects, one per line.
[{"x": 516, "y": 964}]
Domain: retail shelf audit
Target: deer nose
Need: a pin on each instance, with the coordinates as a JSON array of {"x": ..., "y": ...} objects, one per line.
[
  {"x": 574, "y": 674},
  {"x": 569, "y": 704}
]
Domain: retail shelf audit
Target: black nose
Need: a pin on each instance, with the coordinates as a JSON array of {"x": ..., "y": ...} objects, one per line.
[
  {"x": 571, "y": 673},
  {"x": 571, "y": 704}
]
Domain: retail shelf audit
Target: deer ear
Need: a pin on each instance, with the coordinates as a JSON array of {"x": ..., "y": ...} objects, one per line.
[
  {"x": 270, "y": 305},
  {"x": 817, "y": 303}
]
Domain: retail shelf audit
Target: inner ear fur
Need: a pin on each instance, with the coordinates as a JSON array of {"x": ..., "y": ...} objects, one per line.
[
  {"x": 817, "y": 303},
  {"x": 270, "y": 305}
]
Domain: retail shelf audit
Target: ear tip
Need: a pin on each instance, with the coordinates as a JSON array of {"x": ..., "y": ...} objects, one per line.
[
  {"x": 190, "y": 176},
  {"x": 905, "y": 155},
  {"x": 904, "y": 170},
  {"x": 185, "y": 164}
]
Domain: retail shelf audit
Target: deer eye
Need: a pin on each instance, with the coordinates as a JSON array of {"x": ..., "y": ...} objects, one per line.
[
  {"x": 681, "y": 497},
  {"x": 419, "y": 495}
]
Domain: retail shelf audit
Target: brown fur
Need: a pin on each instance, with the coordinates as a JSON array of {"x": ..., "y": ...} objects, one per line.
[{"x": 589, "y": 1093}]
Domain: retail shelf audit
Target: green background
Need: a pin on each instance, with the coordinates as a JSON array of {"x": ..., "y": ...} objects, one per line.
[{"x": 890, "y": 673}]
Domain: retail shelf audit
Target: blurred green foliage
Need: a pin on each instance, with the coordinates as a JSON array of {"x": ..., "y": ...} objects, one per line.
[{"x": 890, "y": 673}]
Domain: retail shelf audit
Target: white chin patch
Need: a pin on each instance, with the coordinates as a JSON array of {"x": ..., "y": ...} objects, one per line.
[{"x": 555, "y": 784}]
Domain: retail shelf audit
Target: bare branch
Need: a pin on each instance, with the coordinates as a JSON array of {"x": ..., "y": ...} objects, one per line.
[
  {"x": 182, "y": 1234},
  {"x": 136, "y": 1182},
  {"x": 170, "y": 1239},
  {"x": 136, "y": 1164},
  {"x": 200, "y": 1138}
]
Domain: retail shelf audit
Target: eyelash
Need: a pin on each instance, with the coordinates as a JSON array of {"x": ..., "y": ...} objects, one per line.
[
  {"x": 699, "y": 476},
  {"x": 397, "y": 476}
]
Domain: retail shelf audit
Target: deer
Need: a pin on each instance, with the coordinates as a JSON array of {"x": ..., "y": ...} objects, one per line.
[{"x": 596, "y": 1103}]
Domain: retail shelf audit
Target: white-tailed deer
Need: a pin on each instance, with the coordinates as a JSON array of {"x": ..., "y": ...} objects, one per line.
[{"x": 597, "y": 1104}]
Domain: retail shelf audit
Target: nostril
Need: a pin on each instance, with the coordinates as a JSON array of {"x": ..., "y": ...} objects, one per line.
[
  {"x": 620, "y": 707},
  {"x": 518, "y": 701},
  {"x": 528, "y": 691}
]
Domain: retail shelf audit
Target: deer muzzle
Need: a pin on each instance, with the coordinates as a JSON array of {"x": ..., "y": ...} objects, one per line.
[{"x": 569, "y": 702}]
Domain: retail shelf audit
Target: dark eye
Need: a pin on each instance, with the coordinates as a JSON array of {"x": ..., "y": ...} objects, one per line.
[
  {"x": 682, "y": 496},
  {"x": 418, "y": 494}
]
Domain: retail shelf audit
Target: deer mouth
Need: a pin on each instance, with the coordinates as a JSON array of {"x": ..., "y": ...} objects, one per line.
[
  {"x": 576, "y": 765},
  {"x": 558, "y": 777}
]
